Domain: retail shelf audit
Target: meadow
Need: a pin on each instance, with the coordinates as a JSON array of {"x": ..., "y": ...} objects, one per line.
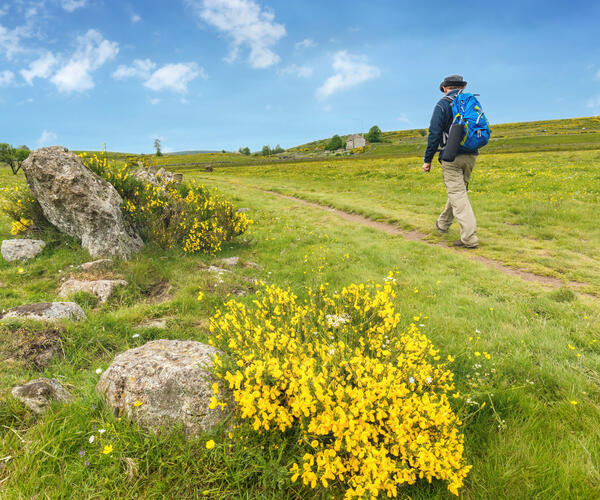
[{"x": 526, "y": 355}]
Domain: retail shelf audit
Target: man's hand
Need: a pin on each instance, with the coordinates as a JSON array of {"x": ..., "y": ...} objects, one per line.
[{"x": 426, "y": 167}]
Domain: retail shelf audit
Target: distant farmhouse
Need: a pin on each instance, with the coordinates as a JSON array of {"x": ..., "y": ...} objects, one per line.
[{"x": 355, "y": 141}]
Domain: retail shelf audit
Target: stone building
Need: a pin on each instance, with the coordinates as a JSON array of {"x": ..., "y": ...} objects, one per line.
[{"x": 355, "y": 141}]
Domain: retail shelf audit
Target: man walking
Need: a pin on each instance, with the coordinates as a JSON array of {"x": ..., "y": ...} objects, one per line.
[{"x": 456, "y": 173}]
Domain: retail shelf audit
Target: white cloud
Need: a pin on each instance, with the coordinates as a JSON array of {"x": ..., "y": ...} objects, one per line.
[
  {"x": 40, "y": 68},
  {"x": 92, "y": 52},
  {"x": 246, "y": 24},
  {"x": 135, "y": 18},
  {"x": 10, "y": 41},
  {"x": 307, "y": 43},
  {"x": 297, "y": 71},
  {"x": 154, "y": 101},
  {"x": 349, "y": 71},
  {"x": 6, "y": 78},
  {"x": 141, "y": 68},
  {"x": 404, "y": 119},
  {"x": 72, "y": 5},
  {"x": 174, "y": 77},
  {"x": 47, "y": 138}
]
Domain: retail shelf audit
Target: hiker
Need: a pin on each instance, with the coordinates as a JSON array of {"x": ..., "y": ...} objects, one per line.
[{"x": 456, "y": 173}]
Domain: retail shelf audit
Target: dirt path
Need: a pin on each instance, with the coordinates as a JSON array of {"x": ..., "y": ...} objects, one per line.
[{"x": 545, "y": 281}]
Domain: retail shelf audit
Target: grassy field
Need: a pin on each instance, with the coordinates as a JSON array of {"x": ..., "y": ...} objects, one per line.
[{"x": 537, "y": 436}]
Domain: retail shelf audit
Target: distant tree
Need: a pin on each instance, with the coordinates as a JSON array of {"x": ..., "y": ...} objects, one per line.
[
  {"x": 422, "y": 132},
  {"x": 157, "y": 146},
  {"x": 374, "y": 134},
  {"x": 334, "y": 143},
  {"x": 244, "y": 151},
  {"x": 22, "y": 146},
  {"x": 223, "y": 151},
  {"x": 13, "y": 157},
  {"x": 278, "y": 149},
  {"x": 266, "y": 150}
]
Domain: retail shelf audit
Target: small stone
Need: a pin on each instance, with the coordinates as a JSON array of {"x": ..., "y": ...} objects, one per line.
[
  {"x": 102, "y": 289},
  {"x": 46, "y": 311},
  {"x": 38, "y": 394},
  {"x": 21, "y": 249},
  {"x": 171, "y": 378},
  {"x": 97, "y": 265}
]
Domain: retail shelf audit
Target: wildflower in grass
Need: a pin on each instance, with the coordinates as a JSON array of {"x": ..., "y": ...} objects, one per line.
[
  {"x": 98, "y": 371},
  {"x": 101, "y": 431},
  {"x": 138, "y": 403},
  {"x": 107, "y": 450},
  {"x": 200, "y": 295},
  {"x": 369, "y": 402},
  {"x": 21, "y": 270},
  {"x": 210, "y": 444},
  {"x": 92, "y": 438},
  {"x": 573, "y": 402},
  {"x": 572, "y": 347}
]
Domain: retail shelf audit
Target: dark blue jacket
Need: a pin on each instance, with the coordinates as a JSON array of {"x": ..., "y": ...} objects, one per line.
[{"x": 440, "y": 126}]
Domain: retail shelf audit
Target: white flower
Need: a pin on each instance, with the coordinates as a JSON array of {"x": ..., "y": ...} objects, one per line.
[
  {"x": 91, "y": 439},
  {"x": 101, "y": 431},
  {"x": 135, "y": 336},
  {"x": 98, "y": 371},
  {"x": 411, "y": 380},
  {"x": 477, "y": 330},
  {"x": 428, "y": 380}
]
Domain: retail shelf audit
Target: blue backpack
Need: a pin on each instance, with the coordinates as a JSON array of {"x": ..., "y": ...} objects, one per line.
[{"x": 467, "y": 111}]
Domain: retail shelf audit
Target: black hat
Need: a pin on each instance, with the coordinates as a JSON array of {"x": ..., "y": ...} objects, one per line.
[{"x": 453, "y": 81}]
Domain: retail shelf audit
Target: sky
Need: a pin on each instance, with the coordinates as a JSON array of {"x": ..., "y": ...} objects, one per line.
[{"x": 224, "y": 74}]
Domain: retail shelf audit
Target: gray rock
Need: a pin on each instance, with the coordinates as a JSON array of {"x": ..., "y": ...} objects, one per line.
[
  {"x": 38, "y": 394},
  {"x": 102, "y": 289},
  {"x": 97, "y": 265},
  {"x": 156, "y": 177},
  {"x": 21, "y": 249},
  {"x": 171, "y": 380},
  {"x": 46, "y": 311},
  {"x": 80, "y": 203}
]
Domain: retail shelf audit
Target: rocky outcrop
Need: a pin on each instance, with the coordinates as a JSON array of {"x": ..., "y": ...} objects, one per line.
[
  {"x": 21, "y": 249},
  {"x": 102, "y": 289},
  {"x": 79, "y": 202},
  {"x": 157, "y": 177},
  {"x": 46, "y": 311},
  {"x": 163, "y": 383},
  {"x": 38, "y": 394}
]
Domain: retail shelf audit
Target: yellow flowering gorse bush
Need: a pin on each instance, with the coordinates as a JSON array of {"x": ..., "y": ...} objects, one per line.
[
  {"x": 22, "y": 208},
  {"x": 170, "y": 214},
  {"x": 370, "y": 404}
]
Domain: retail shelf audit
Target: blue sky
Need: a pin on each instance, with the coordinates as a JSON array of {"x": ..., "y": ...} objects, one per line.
[{"x": 213, "y": 74}]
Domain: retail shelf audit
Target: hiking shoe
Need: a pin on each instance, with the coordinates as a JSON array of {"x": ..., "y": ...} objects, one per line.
[
  {"x": 440, "y": 230},
  {"x": 460, "y": 244}
]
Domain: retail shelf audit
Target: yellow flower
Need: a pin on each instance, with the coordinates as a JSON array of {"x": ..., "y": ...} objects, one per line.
[
  {"x": 21, "y": 270},
  {"x": 573, "y": 402},
  {"x": 210, "y": 445},
  {"x": 107, "y": 449},
  {"x": 138, "y": 403},
  {"x": 200, "y": 295}
]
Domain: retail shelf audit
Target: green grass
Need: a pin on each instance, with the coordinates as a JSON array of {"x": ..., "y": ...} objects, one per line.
[{"x": 535, "y": 211}]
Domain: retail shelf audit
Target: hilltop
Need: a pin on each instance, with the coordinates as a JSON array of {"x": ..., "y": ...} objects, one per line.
[{"x": 546, "y": 135}]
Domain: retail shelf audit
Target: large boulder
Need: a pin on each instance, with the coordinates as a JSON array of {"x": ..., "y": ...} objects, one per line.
[
  {"x": 45, "y": 311},
  {"x": 21, "y": 249},
  {"x": 79, "y": 202},
  {"x": 38, "y": 394},
  {"x": 102, "y": 289},
  {"x": 163, "y": 383}
]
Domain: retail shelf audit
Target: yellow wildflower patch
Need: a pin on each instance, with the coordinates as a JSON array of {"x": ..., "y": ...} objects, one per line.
[{"x": 371, "y": 403}]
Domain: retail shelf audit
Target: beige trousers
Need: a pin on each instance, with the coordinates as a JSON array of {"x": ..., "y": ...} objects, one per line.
[{"x": 456, "y": 177}]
